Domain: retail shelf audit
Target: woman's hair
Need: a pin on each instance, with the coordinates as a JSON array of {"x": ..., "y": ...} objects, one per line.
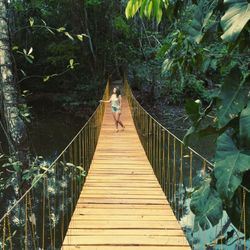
[{"x": 118, "y": 91}]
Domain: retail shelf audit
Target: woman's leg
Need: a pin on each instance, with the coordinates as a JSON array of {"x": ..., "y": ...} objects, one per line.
[
  {"x": 118, "y": 119},
  {"x": 116, "y": 123}
]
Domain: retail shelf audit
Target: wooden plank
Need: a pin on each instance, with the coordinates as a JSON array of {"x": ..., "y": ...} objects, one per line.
[
  {"x": 122, "y": 201},
  {"x": 128, "y": 185},
  {"x": 120, "y": 193},
  {"x": 125, "y": 240},
  {"x": 121, "y": 177},
  {"x": 122, "y": 247},
  {"x": 125, "y": 224},
  {"x": 123, "y": 195},
  {"x": 116, "y": 211},
  {"x": 122, "y": 217},
  {"x": 122, "y": 189},
  {"x": 123, "y": 165},
  {"x": 118, "y": 232},
  {"x": 122, "y": 206},
  {"x": 105, "y": 172},
  {"x": 125, "y": 206}
]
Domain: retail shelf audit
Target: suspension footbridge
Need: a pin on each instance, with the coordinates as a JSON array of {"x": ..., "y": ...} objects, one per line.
[{"x": 109, "y": 190}]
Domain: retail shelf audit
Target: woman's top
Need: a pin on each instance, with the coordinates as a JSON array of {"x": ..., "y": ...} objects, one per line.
[{"x": 115, "y": 102}]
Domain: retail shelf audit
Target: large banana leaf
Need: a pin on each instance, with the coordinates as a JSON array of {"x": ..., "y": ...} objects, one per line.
[
  {"x": 193, "y": 109},
  {"x": 202, "y": 14},
  {"x": 232, "y": 97},
  {"x": 206, "y": 205},
  {"x": 235, "y": 18},
  {"x": 230, "y": 164},
  {"x": 201, "y": 126}
]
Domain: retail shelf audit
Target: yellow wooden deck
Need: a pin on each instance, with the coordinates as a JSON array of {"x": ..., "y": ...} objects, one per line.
[{"x": 122, "y": 205}]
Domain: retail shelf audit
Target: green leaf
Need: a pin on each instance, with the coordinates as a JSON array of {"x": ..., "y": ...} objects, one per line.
[
  {"x": 205, "y": 65},
  {"x": 166, "y": 66},
  {"x": 30, "y": 51},
  {"x": 71, "y": 63},
  {"x": 195, "y": 133},
  {"x": 16, "y": 166},
  {"x": 159, "y": 16},
  {"x": 28, "y": 58},
  {"x": 80, "y": 37},
  {"x": 23, "y": 72},
  {"x": 230, "y": 164},
  {"x": 69, "y": 36},
  {"x": 245, "y": 126},
  {"x": 232, "y": 97},
  {"x": 191, "y": 131},
  {"x": 201, "y": 125},
  {"x": 61, "y": 29},
  {"x": 193, "y": 109},
  {"x": 201, "y": 18},
  {"x": 31, "y": 21},
  {"x": 157, "y": 10},
  {"x": 80, "y": 168},
  {"x": 44, "y": 168},
  {"x": 46, "y": 78},
  {"x": 146, "y": 8},
  {"x": 235, "y": 18},
  {"x": 70, "y": 164},
  {"x": 164, "y": 49},
  {"x": 206, "y": 205},
  {"x": 165, "y": 3},
  {"x": 132, "y": 7}
]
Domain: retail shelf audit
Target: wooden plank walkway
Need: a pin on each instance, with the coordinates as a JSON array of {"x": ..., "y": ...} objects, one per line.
[{"x": 122, "y": 205}]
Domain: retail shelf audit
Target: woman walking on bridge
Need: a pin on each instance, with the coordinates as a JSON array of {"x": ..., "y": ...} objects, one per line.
[{"x": 116, "y": 107}]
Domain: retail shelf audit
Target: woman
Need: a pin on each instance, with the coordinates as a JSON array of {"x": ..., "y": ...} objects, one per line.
[{"x": 116, "y": 106}]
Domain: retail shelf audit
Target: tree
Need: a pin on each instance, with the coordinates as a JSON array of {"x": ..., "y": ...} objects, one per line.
[{"x": 10, "y": 94}]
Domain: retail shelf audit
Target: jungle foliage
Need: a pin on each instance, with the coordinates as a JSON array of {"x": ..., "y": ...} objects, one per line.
[
  {"x": 210, "y": 50},
  {"x": 188, "y": 50}
]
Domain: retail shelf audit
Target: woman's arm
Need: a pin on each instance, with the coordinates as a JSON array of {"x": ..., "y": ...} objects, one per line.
[{"x": 106, "y": 101}]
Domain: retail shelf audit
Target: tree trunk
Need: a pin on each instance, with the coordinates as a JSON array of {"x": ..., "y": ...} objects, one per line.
[
  {"x": 89, "y": 36},
  {"x": 10, "y": 113}
]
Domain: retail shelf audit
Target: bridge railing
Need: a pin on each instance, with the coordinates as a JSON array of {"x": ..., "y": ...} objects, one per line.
[
  {"x": 178, "y": 168},
  {"x": 39, "y": 219}
]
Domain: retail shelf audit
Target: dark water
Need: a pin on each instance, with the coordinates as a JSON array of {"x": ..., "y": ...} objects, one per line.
[{"x": 50, "y": 133}]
